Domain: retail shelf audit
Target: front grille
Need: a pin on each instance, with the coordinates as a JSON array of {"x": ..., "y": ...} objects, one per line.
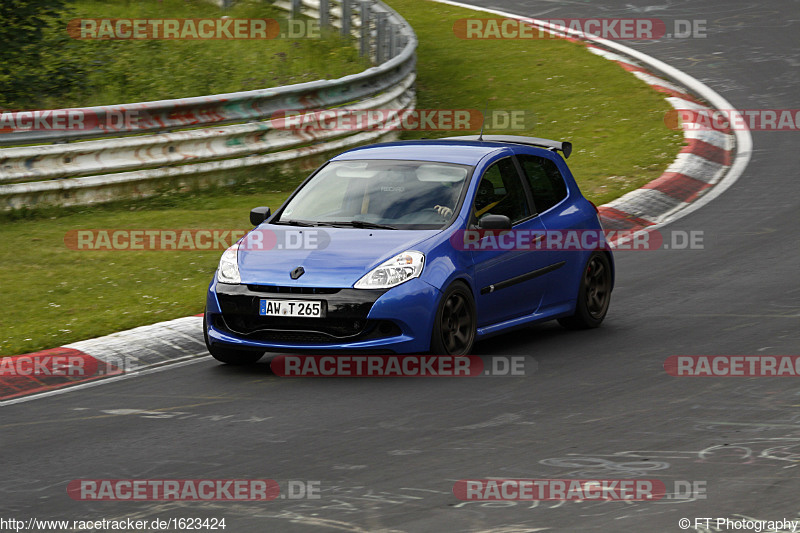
[
  {"x": 330, "y": 327},
  {"x": 275, "y": 289},
  {"x": 307, "y": 337},
  {"x": 373, "y": 329}
]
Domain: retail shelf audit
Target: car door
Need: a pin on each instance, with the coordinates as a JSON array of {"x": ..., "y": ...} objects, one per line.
[
  {"x": 507, "y": 282},
  {"x": 557, "y": 214}
]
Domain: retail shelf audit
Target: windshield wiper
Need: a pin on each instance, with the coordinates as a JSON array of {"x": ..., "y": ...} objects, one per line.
[
  {"x": 334, "y": 223},
  {"x": 303, "y": 223},
  {"x": 364, "y": 224}
]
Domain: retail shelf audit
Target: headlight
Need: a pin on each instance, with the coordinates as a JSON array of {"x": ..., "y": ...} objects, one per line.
[
  {"x": 228, "y": 269},
  {"x": 395, "y": 271}
]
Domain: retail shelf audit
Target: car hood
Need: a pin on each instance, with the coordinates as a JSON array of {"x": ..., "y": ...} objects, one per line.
[{"x": 330, "y": 257}]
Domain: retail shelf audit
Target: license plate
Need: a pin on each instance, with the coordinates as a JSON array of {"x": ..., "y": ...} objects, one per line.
[{"x": 294, "y": 308}]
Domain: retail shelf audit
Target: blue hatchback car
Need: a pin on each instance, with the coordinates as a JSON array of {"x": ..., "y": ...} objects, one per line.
[{"x": 413, "y": 246}]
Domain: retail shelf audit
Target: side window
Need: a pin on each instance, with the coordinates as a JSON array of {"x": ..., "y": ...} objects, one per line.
[
  {"x": 500, "y": 192},
  {"x": 547, "y": 184}
]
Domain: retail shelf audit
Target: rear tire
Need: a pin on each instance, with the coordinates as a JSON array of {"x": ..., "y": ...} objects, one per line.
[
  {"x": 230, "y": 356},
  {"x": 455, "y": 324},
  {"x": 594, "y": 295}
]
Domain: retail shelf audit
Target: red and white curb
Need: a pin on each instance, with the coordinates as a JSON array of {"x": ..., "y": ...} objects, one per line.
[
  {"x": 710, "y": 163},
  {"x": 120, "y": 354},
  {"x": 699, "y": 165}
]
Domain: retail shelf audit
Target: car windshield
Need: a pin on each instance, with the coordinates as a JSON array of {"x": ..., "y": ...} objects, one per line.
[{"x": 380, "y": 194}]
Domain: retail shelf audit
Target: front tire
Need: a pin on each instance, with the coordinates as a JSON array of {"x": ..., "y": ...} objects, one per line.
[
  {"x": 455, "y": 324},
  {"x": 230, "y": 356},
  {"x": 594, "y": 295}
]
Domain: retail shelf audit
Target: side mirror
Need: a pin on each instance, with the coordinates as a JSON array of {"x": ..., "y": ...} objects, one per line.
[
  {"x": 495, "y": 222},
  {"x": 259, "y": 215}
]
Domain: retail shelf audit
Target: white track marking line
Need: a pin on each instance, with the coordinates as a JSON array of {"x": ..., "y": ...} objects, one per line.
[{"x": 136, "y": 373}]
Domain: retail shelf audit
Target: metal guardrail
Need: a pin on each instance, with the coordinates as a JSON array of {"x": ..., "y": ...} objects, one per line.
[{"x": 220, "y": 132}]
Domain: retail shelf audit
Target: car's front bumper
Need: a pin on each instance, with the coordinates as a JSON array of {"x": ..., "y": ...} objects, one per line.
[{"x": 397, "y": 320}]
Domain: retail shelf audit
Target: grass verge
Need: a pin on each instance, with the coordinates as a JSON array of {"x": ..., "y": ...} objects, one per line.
[{"x": 60, "y": 295}]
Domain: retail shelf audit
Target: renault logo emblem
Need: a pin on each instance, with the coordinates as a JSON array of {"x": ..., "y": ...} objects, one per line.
[{"x": 297, "y": 272}]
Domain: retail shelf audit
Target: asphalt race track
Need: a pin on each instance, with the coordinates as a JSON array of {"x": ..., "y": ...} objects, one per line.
[{"x": 386, "y": 452}]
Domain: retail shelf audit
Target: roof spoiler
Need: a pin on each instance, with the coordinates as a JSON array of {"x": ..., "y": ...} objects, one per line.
[{"x": 564, "y": 147}]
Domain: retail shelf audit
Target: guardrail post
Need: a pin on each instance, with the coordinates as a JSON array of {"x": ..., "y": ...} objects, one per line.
[
  {"x": 380, "y": 39},
  {"x": 392, "y": 41},
  {"x": 363, "y": 49},
  {"x": 324, "y": 14},
  {"x": 295, "y": 8},
  {"x": 346, "y": 6}
]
